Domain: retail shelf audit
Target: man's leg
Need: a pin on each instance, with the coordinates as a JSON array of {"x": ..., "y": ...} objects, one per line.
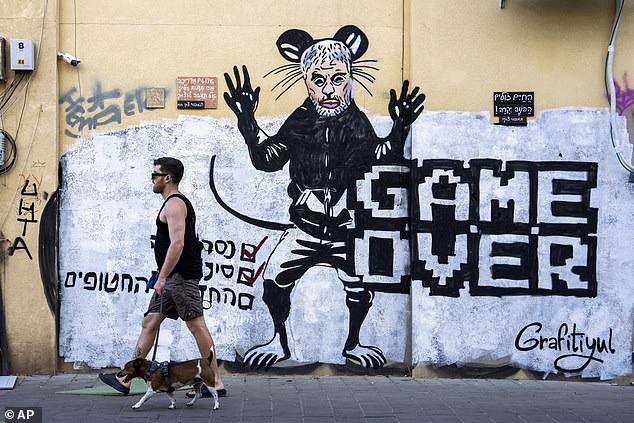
[
  {"x": 205, "y": 342},
  {"x": 149, "y": 327}
]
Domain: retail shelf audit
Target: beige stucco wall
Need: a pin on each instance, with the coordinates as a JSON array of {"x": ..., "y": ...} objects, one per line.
[
  {"x": 156, "y": 41},
  {"x": 30, "y": 323},
  {"x": 458, "y": 52},
  {"x": 464, "y": 51}
]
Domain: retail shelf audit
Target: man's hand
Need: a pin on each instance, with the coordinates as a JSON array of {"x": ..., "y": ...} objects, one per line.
[
  {"x": 159, "y": 286},
  {"x": 407, "y": 107},
  {"x": 241, "y": 98}
]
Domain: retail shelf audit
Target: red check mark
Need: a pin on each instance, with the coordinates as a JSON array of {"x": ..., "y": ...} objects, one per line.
[
  {"x": 251, "y": 254},
  {"x": 251, "y": 280}
]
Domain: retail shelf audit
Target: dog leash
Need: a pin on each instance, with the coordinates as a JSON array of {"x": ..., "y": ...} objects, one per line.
[
  {"x": 158, "y": 330},
  {"x": 164, "y": 366},
  {"x": 154, "y": 365}
]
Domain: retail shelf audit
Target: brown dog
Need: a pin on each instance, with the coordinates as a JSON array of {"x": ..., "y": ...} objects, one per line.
[{"x": 192, "y": 372}]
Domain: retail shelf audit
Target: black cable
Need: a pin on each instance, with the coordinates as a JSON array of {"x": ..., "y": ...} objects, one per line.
[
  {"x": 4, "y": 92},
  {"x": 11, "y": 153},
  {"x": 12, "y": 88},
  {"x": 4, "y": 353},
  {"x": 8, "y": 164},
  {"x": 7, "y": 90}
]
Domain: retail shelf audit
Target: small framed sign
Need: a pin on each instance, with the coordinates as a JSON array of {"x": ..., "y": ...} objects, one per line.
[
  {"x": 191, "y": 91},
  {"x": 155, "y": 98},
  {"x": 512, "y": 107}
]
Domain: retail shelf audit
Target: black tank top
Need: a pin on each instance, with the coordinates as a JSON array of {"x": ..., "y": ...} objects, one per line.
[{"x": 190, "y": 264}]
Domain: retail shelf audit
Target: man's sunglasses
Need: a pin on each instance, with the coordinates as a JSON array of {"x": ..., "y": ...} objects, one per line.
[{"x": 156, "y": 174}]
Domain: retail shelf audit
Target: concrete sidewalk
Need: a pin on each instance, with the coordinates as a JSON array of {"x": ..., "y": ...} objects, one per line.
[{"x": 375, "y": 399}]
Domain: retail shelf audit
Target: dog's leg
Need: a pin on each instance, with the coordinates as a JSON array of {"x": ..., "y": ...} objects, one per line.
[
  {"x": 215, "y": 395},
  {"x": 197, "y": 393},
  {"x": 145, "y": 397},
  {"x": 193, "y": 401},
  {"x": 172, "y": 400}
]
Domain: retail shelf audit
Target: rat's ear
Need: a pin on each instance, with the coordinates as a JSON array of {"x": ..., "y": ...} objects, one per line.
[
  {"x": 354, "y": 38},
  {"x": 293, "y": 43}
]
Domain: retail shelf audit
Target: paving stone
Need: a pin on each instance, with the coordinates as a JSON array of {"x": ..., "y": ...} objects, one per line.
[{"x": 351, "y": 399}]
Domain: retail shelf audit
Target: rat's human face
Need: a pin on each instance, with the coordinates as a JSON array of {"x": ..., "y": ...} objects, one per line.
[{"x": 329, "y": 86}]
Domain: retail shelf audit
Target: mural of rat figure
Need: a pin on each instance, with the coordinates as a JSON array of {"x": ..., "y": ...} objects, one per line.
[{"x": 325, "y": 141}]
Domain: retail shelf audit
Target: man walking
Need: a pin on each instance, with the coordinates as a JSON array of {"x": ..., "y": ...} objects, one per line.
[{"x": 177, "y": 253}]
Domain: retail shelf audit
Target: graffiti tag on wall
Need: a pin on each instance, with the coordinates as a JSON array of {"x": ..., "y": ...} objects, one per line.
[
  {"x": 578, "y": 348},
  {"x": 101, "y": 108},
  {"x": 624, "y": 96},
  {"x": 26, "y": 213},
  {"x": 222, "y": 249}
]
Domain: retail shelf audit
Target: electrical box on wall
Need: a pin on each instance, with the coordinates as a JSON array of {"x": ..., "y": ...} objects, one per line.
[
  {"x": 22, "y": 55},
  {"x": 3, "y": 59}
]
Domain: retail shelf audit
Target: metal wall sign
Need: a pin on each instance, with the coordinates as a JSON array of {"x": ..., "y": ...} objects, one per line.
[
  {"x": 192, "y": 91},
  {"x": 512, "y": 107}
]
